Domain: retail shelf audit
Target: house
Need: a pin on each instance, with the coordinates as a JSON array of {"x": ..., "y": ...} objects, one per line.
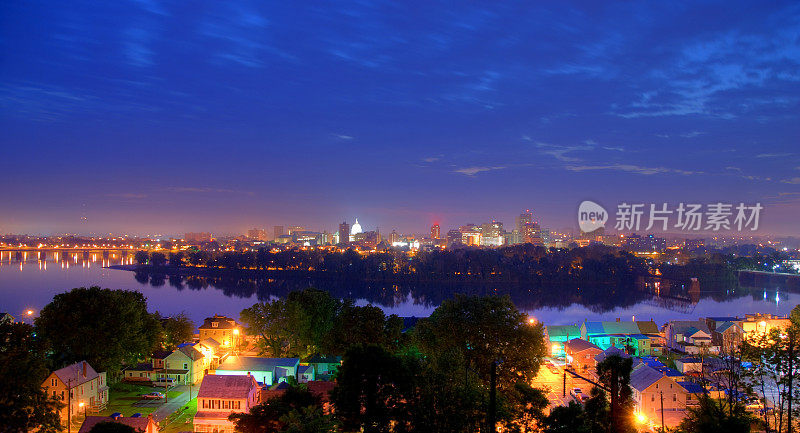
[
  {"x": 325, "y": 366},
  {"x": 689, "y": 364},
  {"x": 728, "y": 336},
  {"x": 140, "y": 424},
  {"x": 635, "y": 336},
  {"x": 557, "y": 335},
  {"x": 222, "y": 329},
  {"x": 580, "y": 354},
  {"x": 690, "y": 336},
  {"x": 305, "y": 373},
  {"x": 141, "y": 372},
  {"x": 759, "y": 324},
  {"x": 611, "y": 351},
  {"x": 6, "y": 318},
  {"x": 265, "y": 370},
  {"x": 693, "y": 392},
  {"x": 78, "y": 384},
  {"x": 186, "y": 365},
  {"x": 650, "y": 387},
  {"x": 220, "y": 396},
  {"x": 212, "y": 350}
]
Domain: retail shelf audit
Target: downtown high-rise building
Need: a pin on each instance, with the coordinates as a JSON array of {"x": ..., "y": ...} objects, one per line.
[
  {"x": 344, "y": 233},
  {"x": 277, "y": 231},
  {"x": 436, "y": 231}
]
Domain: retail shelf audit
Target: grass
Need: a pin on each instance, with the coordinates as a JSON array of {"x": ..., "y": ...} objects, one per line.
[
  {"x": 183, "y": 421},
  {"x": 122, "y": 396}
]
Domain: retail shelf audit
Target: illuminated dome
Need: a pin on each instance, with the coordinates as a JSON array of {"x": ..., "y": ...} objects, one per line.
[{"x": 356, "y": 228}]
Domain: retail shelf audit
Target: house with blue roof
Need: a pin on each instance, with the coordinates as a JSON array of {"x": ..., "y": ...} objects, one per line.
[{"x": 636, "y": 338}]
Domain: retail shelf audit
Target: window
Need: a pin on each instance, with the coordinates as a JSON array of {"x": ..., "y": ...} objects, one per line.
[
  {"x": 214, "y": 324},
  {"x": 674, "y": 397},
  {"x": 53, "y": 382},
  {"x": 653, "y": 397},
  {"x": 185, "y": 366}
]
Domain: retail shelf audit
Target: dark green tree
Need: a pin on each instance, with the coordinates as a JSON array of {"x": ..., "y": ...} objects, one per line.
[
  {"x": 614, "y": 373},
  {"x": 177, "y": 329},
  {"x": 141, "y": 257},
  {"x": 713, "y": 416},
  {"x": 24, "y": 405},
  {"x": 362, "y": 325},
  {"x": 375, "y": 391},
  {"x": 287, "y": 412},
  {"x": 108, "y": 328},
  {"x": 176, "y": 259},
  {"x": 566, "y": 419},
  {"x": 158, "y": 259}
]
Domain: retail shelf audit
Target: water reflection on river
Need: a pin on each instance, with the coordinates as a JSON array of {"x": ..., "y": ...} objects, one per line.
[{"x": 28, "y": 282}]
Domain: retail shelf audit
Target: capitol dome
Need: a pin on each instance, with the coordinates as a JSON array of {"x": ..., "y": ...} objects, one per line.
[{"x": 356, "y": 228}]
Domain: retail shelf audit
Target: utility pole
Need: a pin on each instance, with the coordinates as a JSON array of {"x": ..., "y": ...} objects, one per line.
[
  {"x": 69, "y": 406},
  {"x": 564, "y": 384},
  {"x": 662, "y": 412},
  {"x": 493, "y": 399}
]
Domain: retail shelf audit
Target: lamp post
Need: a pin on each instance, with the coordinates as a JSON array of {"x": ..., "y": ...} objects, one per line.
[
  {"x": 82, "y": 405},
  {"x": 236, "y": 341}
]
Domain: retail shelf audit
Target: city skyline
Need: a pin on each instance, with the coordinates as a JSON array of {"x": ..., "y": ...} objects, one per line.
[{"x": 235, "y": 116}]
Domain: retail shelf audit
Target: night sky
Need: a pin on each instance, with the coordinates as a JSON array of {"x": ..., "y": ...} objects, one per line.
[{"x": 151, "y": 117}]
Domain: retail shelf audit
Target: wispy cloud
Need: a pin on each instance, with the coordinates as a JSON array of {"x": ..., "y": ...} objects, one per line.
[
  {"x": 772, "y": 155},
  {"x": 431, "y": 159},
  {"x": 472, "y": 171},
  {"x": 630, "y": 168},
  {"x": 560, "y": 152},
  {"x": 692, "y": 134},
  {"x": 205, "y": 190},
  {"x": 792, "y": 181},
  {"x": 128, "y": 195},
  {"x": 344, "y": 137}
]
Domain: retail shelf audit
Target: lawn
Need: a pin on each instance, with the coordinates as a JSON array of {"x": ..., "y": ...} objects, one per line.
[
  {"x": 183, "y": 421},
  {"x": 122, "y": 396}
]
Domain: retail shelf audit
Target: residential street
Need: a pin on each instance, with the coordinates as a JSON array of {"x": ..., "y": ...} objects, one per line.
[{"x": 173, "y": 404}]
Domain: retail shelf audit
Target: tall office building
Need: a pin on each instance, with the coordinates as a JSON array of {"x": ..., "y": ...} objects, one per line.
[
  {"x": 257, "y": 234},
  {"x": 436, "y": 231},
  {"x": 524, "y": 218},
  {"x": 344, "y": 233},
  {"x": 277, "y": 231},
  {"x": 394, "y": 237},
  {"x": 295, "y": 229}
]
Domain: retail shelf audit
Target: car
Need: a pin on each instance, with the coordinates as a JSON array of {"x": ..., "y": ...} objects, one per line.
[
  {"x": 553, "y": 369},
  {"x": 162, "y": 382},
  {"x": 577, "y": 394},
  {"x": 153, "y": 396}
]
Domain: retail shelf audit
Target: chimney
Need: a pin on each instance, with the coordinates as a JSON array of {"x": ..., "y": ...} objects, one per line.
[{"x": 84, "y": 368}]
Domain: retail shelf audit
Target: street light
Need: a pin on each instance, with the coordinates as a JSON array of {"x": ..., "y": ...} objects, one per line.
[
  {"x": 641, "y": 418},
  {"x": 82, "y": 405}
]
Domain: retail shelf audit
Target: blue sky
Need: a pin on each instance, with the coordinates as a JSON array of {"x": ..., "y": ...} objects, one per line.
[{"x": 150, "y": 116}]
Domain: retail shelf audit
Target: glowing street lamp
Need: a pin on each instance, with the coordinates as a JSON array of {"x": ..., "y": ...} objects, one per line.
[
  {"x": 641, "y": 418},
  {"x": 532, "y": 321},
  {"x": 82, "y": 405}
]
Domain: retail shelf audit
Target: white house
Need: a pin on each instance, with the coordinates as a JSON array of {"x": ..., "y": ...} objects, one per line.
[{"x": 220, "y": 396}]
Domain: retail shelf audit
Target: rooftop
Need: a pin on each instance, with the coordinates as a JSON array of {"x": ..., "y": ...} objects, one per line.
[
  {"x": 76, "y": 374},
  {"x": 139, "y": 423},
  {"x": 215, "y": 386},
  {"x": 252, "y": 363}
]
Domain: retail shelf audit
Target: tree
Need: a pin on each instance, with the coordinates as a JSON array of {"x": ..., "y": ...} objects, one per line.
[
  {"x": 269, "y": 321},
  {"x": 711, "y": 416},
  {"x": 112, "y": 427},
  {"x": 362, "y": 325},
  {"x": 614, "y": 373},
  {"x": 566, "y": 419},
  {"x": 177, "y": 329},
  {"x": 466, "y": 335},
  {"x": 108, "y": 328},
  {"x": 485, "y": 330},
  {"x": 24, "y": 405},
  {"x": 176, "y": 259},
  {"x": 158, "y": 259},
  {"x": 296, "y": 410},
  {"x": 375, "y": 391},
  {"x": 141, "y": 257}
]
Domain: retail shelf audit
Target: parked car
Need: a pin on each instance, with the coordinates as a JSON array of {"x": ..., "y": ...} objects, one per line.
[
  {"x": 153, "y": 396},
  {"x": 577, "y": 394},
  {"x": 164, "y": 381},
  {"x": 553, "y": 369}
]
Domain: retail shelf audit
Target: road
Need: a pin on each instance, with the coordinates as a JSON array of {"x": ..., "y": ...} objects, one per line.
[
  {"x": 553, "y": 384},
  {"x": 173, "y": 404}
]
